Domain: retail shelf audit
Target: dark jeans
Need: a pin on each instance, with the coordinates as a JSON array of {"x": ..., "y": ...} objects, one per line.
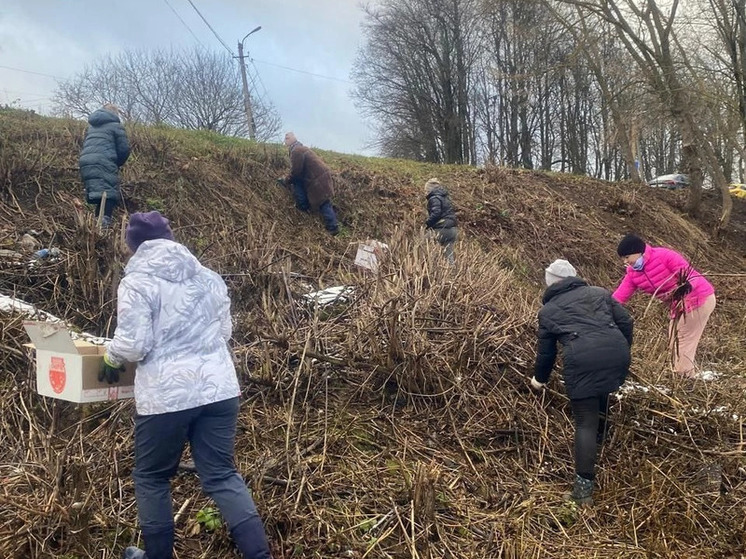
[
  {"x": 159, "y": 443},
  {"x": 326, "y": 209},
  {"x": 590, "y": 427}
]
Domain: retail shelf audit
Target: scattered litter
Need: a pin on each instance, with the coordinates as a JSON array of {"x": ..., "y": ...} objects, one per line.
[
  {"x": 10, "y": 255},
  {"x": 330, "y": 295},
  {"x": 707, "y": 375},
  {"x": 369, "y": 254},
  {"x": 11, "y": 305},
  {"x": 29, "y": 243},
  {"x": 631, "y": 387},
  {"x": 53, "y": 252}
]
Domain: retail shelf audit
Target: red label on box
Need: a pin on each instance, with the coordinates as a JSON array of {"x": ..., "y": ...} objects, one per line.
[{"x": 57, "y": 376}]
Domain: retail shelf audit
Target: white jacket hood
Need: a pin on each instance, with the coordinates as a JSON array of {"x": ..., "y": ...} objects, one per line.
[{"x": 164, "y": 259}]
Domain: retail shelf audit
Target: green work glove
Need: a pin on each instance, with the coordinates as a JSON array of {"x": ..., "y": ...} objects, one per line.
[{"x": 109, "y": 371}]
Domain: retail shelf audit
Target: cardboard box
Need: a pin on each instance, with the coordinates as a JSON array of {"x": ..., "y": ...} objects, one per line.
[
  {"x": 369, "y": 254},
  {"x": 67, "y": 369}
]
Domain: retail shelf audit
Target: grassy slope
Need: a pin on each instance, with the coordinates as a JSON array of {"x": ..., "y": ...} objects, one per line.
[{"x": 409, "y": 403}]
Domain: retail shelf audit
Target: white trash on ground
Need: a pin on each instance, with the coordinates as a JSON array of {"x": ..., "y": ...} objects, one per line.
[
  {"x": 12, "y": 305},
  {"x": 707, "y": 375},
  {"x": 330, "y": 295},
  {"x": 369, "y": 254}
]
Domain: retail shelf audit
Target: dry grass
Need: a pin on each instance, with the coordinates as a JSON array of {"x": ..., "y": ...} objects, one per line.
[{"x": 398, "y": 424}]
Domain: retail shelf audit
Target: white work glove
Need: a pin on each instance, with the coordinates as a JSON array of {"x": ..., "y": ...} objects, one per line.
[{"x": 536, "y": 385}]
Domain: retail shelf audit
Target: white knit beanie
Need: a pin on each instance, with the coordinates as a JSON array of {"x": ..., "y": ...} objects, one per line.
[
  {"x": 431, "y": 185},
  {"x": 559, "y": 270}
]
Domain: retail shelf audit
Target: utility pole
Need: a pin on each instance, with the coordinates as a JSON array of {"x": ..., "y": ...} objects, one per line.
[{"x": 246, "y": 94}]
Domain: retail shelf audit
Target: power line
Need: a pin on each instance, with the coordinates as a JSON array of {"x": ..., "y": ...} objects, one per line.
[
  {"x": 184, "y": 22},
  {"x": 30, "y": 72},
  {"x": 263, "y": 61},
  {"x": 211, "y": 29},
  {"x": 32, "y": 93},
  {"x": 301, "y": 71}
]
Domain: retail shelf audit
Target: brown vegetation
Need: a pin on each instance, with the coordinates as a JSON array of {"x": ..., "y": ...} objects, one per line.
[{"x": 398, "y": 423}]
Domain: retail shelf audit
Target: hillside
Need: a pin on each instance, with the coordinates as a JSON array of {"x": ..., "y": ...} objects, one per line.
[{"x": 399, "y": 423}]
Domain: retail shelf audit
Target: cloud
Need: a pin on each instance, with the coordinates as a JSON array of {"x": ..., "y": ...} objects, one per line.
[{"x": 316, "y": 37}]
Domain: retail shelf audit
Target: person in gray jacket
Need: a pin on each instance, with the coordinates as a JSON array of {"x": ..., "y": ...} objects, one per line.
[
  {"x": 174, "y": 322},
  {"x": 441, "y": 217},
  {"x": 595, "y": 332},
  {"x": 105, "y": 150}
]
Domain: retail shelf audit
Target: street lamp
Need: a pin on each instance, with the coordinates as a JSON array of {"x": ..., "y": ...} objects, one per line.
[
  {"x": 246, "y": 95},
  {"x": 257, "y": 28}
]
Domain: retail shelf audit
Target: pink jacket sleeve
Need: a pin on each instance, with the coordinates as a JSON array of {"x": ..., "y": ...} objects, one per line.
[{"x": 625, "y": 290}]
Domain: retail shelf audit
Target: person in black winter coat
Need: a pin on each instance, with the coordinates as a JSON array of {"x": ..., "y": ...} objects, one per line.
[
  {"x": 105, "y": 150},
  {"x": 441, "y": 217},
  {"x": 595, "y": 333}
]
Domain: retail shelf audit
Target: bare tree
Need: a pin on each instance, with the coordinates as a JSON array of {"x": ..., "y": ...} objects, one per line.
[
  {"x": 603, "y": 60},
  {"x": 728, "y": 65},
  {"x": 196, "y": 89},
  {"x": 414, "y": 76},
  {"x": 649, "y": 35}
]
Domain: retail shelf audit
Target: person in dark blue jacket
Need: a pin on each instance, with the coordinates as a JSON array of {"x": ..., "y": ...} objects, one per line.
[
  {"x": 105, "y": 150},
  {"x": 595, "y": 333}
]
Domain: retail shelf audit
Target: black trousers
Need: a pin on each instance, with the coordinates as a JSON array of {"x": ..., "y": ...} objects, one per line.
[{"x": 590, "y": 429}]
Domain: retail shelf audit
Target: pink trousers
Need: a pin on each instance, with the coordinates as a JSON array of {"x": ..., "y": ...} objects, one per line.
[{"x": 689, "y": 330}]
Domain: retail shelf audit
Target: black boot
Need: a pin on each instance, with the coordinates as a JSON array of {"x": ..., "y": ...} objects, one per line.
[
  {"x": 251, "y": 539},
  {"x": 582, "y": 491}
]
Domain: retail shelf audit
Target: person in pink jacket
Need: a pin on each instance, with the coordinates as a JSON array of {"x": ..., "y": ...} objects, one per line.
[{"x": 665, "y": 274}]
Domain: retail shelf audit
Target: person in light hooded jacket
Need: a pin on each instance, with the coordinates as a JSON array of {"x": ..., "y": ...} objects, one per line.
[
  {"x": 174, "y": 322},
  {"x": 105, "y": 150}
]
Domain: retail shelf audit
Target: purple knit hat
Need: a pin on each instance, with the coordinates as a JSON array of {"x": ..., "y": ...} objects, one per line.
[{"x": 145, "y": 227}]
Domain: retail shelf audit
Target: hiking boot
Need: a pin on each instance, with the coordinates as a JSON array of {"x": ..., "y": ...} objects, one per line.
[
  {"x": 582, "y": 491},
  {"x": 133, "y": 552}
]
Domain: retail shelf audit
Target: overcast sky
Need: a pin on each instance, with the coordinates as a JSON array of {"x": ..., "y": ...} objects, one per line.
[{"x": 298, "y": 38}]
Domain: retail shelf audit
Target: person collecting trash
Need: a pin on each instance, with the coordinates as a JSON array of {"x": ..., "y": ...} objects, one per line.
[
  {"x": 105, "y": 150},
  {"x": 441, "y": 217},
  {"x": 310, "y": 182},
  {"x": 174, "y": 322},
  {"x": 666, "y": 275},
  {"x": 595, "y": 333}
]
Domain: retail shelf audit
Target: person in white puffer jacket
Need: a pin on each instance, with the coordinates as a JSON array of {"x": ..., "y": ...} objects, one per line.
[{"x": 174, "y": 322}]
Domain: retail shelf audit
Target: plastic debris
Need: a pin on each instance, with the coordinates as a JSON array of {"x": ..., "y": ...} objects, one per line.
[
  {"x": 29, "y": 243},
  {"x": 707, "y": 375},
  {"x": 53, "y": 252},
  {"x": 330, "y": 295},
  {"x": 12, "y": 305},
  {"x": 369, "y": 254}
]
